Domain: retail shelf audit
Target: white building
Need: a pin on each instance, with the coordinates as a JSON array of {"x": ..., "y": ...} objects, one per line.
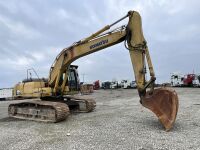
[{"x": 6, "y": 93}]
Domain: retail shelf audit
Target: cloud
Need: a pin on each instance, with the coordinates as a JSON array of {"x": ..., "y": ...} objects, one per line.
[
  {"x": 18, "y": 29},
  {"x": 34, "y": 32}
]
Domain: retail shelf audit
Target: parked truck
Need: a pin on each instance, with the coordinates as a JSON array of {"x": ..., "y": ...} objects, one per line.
[
  {"x": 196, "y": 81},
  {"x": 188, "y": 80},
  {"x": 125, "y": 84},
  {"x": 133, "y": 84},
  {"x": 96, "y": 85},
  {"x": 177, "y": 79}
]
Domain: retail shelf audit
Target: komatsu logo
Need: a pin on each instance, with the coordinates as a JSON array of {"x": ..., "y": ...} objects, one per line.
[{"x": 99, "y": 44}]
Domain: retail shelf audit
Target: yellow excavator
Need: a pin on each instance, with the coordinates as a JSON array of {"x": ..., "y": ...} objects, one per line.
[{"x": 58, "y": 93}]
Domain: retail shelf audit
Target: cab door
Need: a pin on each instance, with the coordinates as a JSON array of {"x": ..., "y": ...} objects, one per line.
[{"x": 73, "y": 80}]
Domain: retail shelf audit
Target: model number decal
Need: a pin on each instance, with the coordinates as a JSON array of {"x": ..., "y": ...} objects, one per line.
[{"x": 99, "y": 44}]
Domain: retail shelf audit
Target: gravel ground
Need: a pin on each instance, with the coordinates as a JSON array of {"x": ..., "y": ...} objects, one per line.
[{"x": 118, "y": 122}]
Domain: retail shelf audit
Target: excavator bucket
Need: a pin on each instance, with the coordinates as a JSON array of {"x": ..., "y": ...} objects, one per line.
[{"x": 164, "y": 103}]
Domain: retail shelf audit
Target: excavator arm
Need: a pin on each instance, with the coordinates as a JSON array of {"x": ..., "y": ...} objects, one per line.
[{"x": 162, "y": 101}]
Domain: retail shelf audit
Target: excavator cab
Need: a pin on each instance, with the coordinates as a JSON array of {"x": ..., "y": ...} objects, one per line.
[{"x": 73, "y": 79}]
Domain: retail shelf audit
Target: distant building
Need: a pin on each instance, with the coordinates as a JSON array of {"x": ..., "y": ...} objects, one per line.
[{"x": 6, "y": 93}]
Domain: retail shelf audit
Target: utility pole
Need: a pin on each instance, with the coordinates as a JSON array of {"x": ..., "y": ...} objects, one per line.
[{"x": 83, "y": 76}]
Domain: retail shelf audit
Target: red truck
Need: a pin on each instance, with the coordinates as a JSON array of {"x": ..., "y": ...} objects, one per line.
[
  {"x": 96, "y": 85},
  {"x": 187, "y": 81}
]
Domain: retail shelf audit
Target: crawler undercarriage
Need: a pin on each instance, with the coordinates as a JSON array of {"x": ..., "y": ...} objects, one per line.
[{"x": 50, "y": 111}]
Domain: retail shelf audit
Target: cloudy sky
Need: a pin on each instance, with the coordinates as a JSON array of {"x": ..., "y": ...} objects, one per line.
[{"x": 33, "y": 32}]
